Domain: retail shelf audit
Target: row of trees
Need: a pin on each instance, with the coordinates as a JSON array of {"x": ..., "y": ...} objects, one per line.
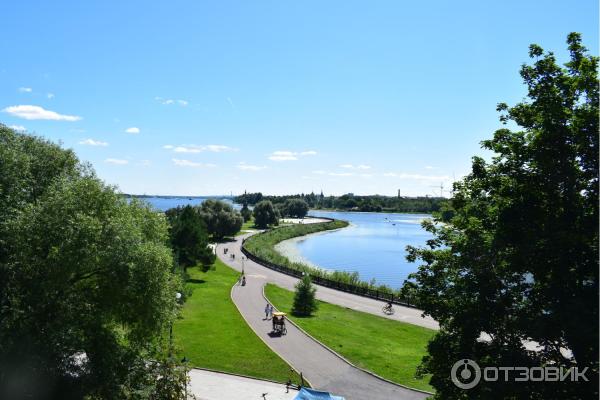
[
  {"x": 87, "y": 282},
  {"x": 350, "y": 202}
]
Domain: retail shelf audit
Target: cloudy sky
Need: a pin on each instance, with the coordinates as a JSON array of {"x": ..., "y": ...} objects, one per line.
[{"x": 194, "y": 98}]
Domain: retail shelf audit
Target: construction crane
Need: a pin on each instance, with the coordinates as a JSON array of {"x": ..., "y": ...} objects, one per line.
[{"x": 441, "y": 189}]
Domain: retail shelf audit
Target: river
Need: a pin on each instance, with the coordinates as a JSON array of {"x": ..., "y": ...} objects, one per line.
[{"x": 374, "y": 245}]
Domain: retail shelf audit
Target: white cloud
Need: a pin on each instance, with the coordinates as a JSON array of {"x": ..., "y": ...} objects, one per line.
[
  {"x": 116, "y": 161},
  {"x": 429, "y": 167},
  {"x": 162, "y": 100},
  {"x": 420, "y": 177},
  {"x": 193, "y": 148},
  {"x": 193, "y": 164},
  {"x": 285, "y": 155},
  {"x": 50, "y": 95},
  {"x": 246, "y": 167},
  {"x": 133, "y": 130},
  {"x": 340, "y": 174},
  {"x": 358, "y": 167},
  {"x": 36, "y": 112},
  {"x": 19, "y": 128},
  {"x": 92, "y": 142},
  {"x": 25, "y": 90},
  {"x": 145, "y": 163}
]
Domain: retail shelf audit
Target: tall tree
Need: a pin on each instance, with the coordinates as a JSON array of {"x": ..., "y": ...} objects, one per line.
[
  {"x": 296, "y": 208},
  {"x": 220, "y": 218},
  {"x": 518, "y": 255},
  {"x": 86, "y": 288},
  {"x": 264, "y": 214},
  {"x": 246, "y": 213},
  {"x": 189, "y": 239},
  {"x": 305, "y": 302}
]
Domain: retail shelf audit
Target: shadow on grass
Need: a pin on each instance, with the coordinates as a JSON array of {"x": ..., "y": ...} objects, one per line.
[{"x": 194, "y": 280}]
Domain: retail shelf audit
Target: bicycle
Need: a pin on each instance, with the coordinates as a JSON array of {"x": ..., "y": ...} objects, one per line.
[{"x": 388, "y": 309}]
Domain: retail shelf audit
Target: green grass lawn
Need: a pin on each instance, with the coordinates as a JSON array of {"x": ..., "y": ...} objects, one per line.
[
  {"x": 248, "y": 225},
  {"x": 212, "y": 333},
  {"x": 388, "y": 348}
]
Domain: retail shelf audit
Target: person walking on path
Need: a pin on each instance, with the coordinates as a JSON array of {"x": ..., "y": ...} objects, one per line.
[
  {"x": 270, "y": 310},
  {"x": 267, "y": 310}
]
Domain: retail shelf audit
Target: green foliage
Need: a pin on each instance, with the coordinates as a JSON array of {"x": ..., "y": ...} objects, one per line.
[
  {"x": 518, "y": 256},
  {"x": 295, "y": 208},
  {"x": 264, "y": 214},
  {"x": 304, "y": 298},
  {"x": 86, "y": 287},
  {"x": 246, "y": 213},
  {"x": 350, "y": 202},
  {"x": 220, "y": 218},
  {"x": 189, "y": 238}
]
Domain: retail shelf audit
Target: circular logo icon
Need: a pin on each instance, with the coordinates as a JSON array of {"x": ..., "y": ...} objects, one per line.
[{"x": 465, "y": 374}]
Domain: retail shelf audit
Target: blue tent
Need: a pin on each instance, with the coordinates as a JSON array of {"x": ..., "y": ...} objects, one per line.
[{"x": 310, "y": 394}]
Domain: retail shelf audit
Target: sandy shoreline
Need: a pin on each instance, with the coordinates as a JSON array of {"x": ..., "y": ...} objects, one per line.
[{"x": 289, "y": 248}]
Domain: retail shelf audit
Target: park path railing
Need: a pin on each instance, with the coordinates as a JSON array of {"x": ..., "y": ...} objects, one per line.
[{"x": 330, "y": 283}]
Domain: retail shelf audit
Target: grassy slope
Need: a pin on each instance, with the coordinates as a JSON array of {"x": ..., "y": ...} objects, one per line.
[
  {"x": 212, "y": 333},
  {"x": 389, "y": 348},
  {"x": 263, "y": 245}
]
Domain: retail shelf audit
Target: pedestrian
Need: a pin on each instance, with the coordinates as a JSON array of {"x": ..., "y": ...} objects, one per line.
[
  {"x": 267, "y": 310},
  {"x": 270, "y": 310},
  {"x": 244, "y": 280}
]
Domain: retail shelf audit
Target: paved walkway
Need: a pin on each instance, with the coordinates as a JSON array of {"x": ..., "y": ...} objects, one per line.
[
  {"x": 323, "y": 369},
  {"x": 208, "y": 385}
]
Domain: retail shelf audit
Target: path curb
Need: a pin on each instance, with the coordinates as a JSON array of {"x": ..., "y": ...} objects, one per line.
[
  {"x": 240, "y": 375},
  {"x": 264, "y": 341},
  {"x": 343, "y": 358}
]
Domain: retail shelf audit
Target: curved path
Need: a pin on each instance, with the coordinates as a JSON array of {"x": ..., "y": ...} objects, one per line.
[{"x": 321, "y": 368}]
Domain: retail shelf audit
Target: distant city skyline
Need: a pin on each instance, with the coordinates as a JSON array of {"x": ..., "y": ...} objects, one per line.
[{"x": 195, "y": 99}]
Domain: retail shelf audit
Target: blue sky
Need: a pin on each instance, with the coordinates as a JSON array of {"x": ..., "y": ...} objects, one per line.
[{"x": 198, "y": 98}]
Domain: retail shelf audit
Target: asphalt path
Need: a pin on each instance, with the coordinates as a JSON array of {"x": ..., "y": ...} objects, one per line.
[{"x": 321, "y": 367}]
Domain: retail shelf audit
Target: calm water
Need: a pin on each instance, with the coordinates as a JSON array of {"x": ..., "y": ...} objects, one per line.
[
  {"x": 164, "y": 203},
  {"x": 373, "y": 245}
]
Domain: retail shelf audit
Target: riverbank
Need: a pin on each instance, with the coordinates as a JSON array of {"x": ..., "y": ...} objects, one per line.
[{"x": 262, "y": 248}]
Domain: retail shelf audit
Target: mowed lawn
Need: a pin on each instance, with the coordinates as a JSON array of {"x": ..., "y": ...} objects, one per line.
[
  {"x": 388, "y": 348},
  {"x": 212, "y": 333}
]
